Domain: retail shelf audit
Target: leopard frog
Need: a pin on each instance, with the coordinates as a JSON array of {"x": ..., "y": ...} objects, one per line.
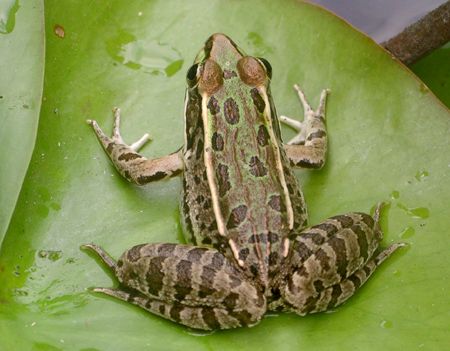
[{"x": 243, "y": 210}]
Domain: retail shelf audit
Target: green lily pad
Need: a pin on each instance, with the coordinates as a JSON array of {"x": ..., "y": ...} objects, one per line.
[
  {"x": 22, "y": 75},
  {"x": 388, "y": 142}
]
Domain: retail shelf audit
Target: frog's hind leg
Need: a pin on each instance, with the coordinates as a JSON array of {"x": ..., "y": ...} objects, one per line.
[
  {"x": 197, "y": 287},
  {"x": 338, "y": 293},
  {"x": 131, "y": 165},
  {"x": 197, "y": 317},
  {"x": 308, "y": 148},
  {"x": 328, "y": 262}
]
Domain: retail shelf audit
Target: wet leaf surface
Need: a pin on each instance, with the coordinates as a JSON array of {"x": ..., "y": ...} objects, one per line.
[{"x": 388, "y": 142}]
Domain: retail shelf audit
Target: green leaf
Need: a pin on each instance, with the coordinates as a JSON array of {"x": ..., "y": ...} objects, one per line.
[
  {"x": 388, "y": 142},
  {"x": 22, "y": 73},
  {"x": 434, "y": 70}
]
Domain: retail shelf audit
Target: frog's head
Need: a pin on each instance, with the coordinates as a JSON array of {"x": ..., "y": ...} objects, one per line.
[{"x": 221, "y": 59}]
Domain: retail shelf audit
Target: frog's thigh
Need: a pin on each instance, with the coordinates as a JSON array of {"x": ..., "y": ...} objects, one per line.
[
  {"x": 327, "y": 254},
  {"x": 197, "y": 287},
  {"x": 132, "y": 165},
  {"x": 308, "y": 148},
  {"x": 337, "y": 294}
]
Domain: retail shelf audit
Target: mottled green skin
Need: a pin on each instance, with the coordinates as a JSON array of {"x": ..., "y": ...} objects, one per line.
[
  {"x": 243, "y": 159},
  {"x": 242, "y": 204}
]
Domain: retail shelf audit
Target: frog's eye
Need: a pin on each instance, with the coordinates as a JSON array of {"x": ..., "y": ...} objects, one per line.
[
  {"x": 267, "y": 66},
  {"x": 191, "y": 75},
  {"x": 252, "y": 71}
]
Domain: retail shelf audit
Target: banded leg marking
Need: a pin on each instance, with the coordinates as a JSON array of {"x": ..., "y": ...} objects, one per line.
[
  {"x": 130, "y": 164},
  {"x": 337, "y": 294},
  {"x": 308, "y": 148},
  {"x": 194, "y": 286},
  {"x": 197, "y": 317},
  {"x": 330, "y": 261}
]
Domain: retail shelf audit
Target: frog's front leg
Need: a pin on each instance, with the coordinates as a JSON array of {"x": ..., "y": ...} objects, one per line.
[
  {"x": 309, "y": 147},
  {"x": 197, "y": 287},
  {"x": 330, "y": 261},
  {"x": 130, "y": 164}
]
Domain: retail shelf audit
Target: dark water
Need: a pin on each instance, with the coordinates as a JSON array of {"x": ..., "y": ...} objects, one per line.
[{"x": 381, "y": 19}]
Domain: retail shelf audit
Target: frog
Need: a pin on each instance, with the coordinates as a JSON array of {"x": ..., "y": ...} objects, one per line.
[{"x": 249, "y": 248}]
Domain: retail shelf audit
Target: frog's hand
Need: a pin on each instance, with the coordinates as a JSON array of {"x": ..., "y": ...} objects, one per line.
[
  {"x": 197, "y": 287},
  {"x": 309, "y": 147},
  {"x": 130, "y": 164},
  {"x": 330, "y": 261}
]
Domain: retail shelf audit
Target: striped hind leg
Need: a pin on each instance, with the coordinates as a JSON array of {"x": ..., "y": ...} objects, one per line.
[
  {"x": 197, "y": 287},
  {"x": 197, "y": 317},
  {"x": 338, "y": 293},
  {"x": 326, "y": 257}
]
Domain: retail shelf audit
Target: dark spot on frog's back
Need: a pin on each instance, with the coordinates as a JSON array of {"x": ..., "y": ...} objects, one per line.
[
  {"x": 273, "y": 258},
  {"x": 257, "y": 168},
  {"x": 199, "y": 199},
  {"x": 276, "y": 203},
  {"x": 213, "y": 106},
  {"x": 217, "y": 142},
  {"x": 223, "y": 179},
  {"x": 207, "y": 204},
  {"x": 237, "y": 216},
  {"x": 231, "y": 111},
  {"x": 199, "y": 149},
  {"x": 244, "y": 253},
  {"x": 263, "y": 136},
  {"x": 254, "y": 270},
  {"x": 258, "y": 100},
  {"x": 206, "y": 241}
]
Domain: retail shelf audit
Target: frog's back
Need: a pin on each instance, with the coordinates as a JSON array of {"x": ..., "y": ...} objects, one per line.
[{"x": 240, "y": 194}]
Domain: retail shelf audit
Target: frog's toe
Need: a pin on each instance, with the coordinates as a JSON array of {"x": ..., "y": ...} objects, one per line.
[{"x": 108, "y": 260}]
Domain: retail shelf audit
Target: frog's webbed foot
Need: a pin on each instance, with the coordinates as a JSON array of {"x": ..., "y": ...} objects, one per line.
[
  {"x": 197, "y": 287},
  {"x": 330, "y": 261},
  {"x": 130, "y": 164},
  {"x": 308, "y": 148},
  {"x": 116, "y": 137}
]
